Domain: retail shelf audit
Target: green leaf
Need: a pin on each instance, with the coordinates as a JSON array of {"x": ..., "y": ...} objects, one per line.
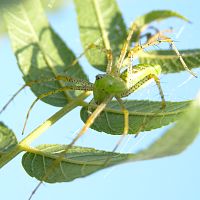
[
  {"x": 179, "y": 137},
  {"x": 157, "y": 15},
  {"x": 169, "y": 61},
  {"x": 100, "y": 22},
  {"x": 143, "y": 116},
  {"x": 78, "y": 162},
  {"x": 7, "y": 139},
  {"x": 40, "y": 52}
]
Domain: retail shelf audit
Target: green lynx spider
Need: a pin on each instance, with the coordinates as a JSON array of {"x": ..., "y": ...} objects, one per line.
[{"x": 113, "y": 83}]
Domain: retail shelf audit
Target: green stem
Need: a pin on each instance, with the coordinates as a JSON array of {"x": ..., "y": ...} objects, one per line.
[{"x": 4, "y": 159}]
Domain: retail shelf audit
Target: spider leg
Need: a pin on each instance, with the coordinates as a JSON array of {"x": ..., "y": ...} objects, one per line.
[
  {"x": 171, "y": 42},
  {"x": 129, "y": 73},
  {"x": 150, "y": 36},
  {"x": 157, "y": 80},
  {"x": 125, "y": 131},
  {"x": 181, "y": 59},
  {"x": 69, "y": 79},
  {"x": 88, "y": 123},
  {"x": 141, "y": 82},
  {"x": 83, "y": 88},
  {"x": 125, "y": 46},
  {"x": 127, "y": 43},
  {"x": 89, "y": 108},
  {"x": 65, "y": 78},
  {"x": 157, "y": 39},
  {"x": 158, "y": 34},
  {"x": 30, "y": 83},
  {"x": 90, "y": 120},
  {"x": 12, "y": 98}
]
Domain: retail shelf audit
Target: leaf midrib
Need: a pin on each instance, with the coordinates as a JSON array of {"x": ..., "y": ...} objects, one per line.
[
  {"x": 158, "y": 113},
  {"x": 153, "y": 55},
  {"x": 38, "y": 152}
]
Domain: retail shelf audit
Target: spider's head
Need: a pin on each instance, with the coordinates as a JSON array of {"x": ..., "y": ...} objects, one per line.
[
  {"x": 106, "y": 85},
  {"x": 100, "y": 76}
]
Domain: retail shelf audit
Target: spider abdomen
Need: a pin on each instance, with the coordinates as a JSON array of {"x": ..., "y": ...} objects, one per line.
[{"x": 141, "y": 75}]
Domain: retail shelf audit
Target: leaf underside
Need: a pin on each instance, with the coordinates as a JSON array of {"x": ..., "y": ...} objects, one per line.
[
  {"x": 79, "y": 161},
  {"x": 169, "y": 61},
  {"x": 40, "y": 52},
  {"x": 143, "y": 116}
]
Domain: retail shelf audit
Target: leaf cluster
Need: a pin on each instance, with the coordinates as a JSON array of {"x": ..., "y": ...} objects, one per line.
[{"x": 34, "y": 42}]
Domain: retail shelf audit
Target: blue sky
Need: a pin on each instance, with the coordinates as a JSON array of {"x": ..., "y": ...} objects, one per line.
[{"x": 174, "y": 178}]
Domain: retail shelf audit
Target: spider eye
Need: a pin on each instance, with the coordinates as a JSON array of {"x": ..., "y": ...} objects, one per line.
[{"x": 99, "y": 76}]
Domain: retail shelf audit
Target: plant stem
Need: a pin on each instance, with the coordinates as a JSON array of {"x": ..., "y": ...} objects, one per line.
[{"x": 4, "y": 159}]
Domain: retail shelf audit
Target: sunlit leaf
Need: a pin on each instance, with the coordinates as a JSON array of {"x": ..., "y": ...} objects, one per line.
[
  {"x": 40, "y": 52},
  {"x": 143, "y": 116}
]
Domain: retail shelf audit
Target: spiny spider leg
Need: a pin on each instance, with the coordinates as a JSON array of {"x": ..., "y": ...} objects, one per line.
[
  {"x": 151, "y": 37},
  {"x": 158, "y": 34},
  {"x": 24, "y": 86},
  {"x": 74, "y": 87},
  {"x": 134, "y": 52},
  {"x": 12, "y": 98},
  {"x": 125, "y": 47},
  {"x": 35, "y": 190},
  {"x": 157, "y": 80},
  {"x": 56, "y": 78}
]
